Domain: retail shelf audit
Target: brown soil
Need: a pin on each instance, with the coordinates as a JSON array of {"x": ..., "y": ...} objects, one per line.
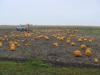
[{"x": 60, "y": 56}]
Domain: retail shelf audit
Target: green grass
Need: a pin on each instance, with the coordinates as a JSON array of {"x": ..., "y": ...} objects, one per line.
[{"x": 39, "y": 68}]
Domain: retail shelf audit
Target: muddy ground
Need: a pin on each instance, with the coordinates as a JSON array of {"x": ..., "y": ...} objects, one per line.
[{"x": 60, "y": 56}]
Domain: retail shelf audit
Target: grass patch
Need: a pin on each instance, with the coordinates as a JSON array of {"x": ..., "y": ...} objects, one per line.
[{"x": 39, "y": 68}]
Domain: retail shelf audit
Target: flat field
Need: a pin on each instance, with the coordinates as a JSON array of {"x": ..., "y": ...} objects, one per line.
[{"x": 38, "y": 45}]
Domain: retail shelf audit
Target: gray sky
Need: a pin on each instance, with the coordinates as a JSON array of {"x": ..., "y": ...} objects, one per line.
[{"x": 50, "y": 12}]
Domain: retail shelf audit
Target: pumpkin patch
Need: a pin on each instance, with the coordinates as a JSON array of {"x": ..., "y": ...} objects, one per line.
[
  {"x": 77, "y": 53},
  {"x": 66, "y": 45}
]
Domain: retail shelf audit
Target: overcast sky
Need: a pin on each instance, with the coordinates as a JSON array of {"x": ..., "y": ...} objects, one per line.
[{"x": 50, "y": 12}]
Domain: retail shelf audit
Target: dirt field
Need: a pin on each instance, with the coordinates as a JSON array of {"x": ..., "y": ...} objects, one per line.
[{"x": 42, "y": 49}]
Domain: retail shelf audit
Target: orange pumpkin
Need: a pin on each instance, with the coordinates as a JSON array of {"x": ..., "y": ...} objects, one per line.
[
  {"x": 77, "y": 53},
  {"x": 46, "y": 37},
  {"x": 12, "y": 48},
  {"x": 90, "y": 41},
  {"x": 1, "y": 44},
  {"x": 68, "y": 41},
  {"x": 79, "y": 40},
  {"x": 58, "y": 38},
  {"x": 5, "y": 36},
  {"x": 85, "y": 39},
  {"x": 83, "y": 46},
  {"x": 12, "y": 45},
  {"x": 61, "y": 38},
  {"x": 73, "y": 44},
  {"x": 55, "y": 44},
  {"x": 15, "y": 43},
  {"x": 96, "y": 60},
  {"x": 88, "y": 52}
]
